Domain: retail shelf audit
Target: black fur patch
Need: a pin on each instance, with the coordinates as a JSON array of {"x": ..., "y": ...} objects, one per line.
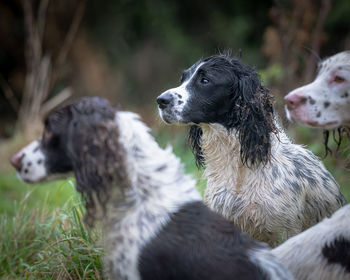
[
  {"x": 199, "y": 244},
  {"x": 338, "y": 252},
  {"x": 194, "y": 138}
]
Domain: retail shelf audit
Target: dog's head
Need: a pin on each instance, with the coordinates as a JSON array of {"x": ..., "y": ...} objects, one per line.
[
  {"x": 64, "y": 130},
  {"x": 81, "y": 137},
  {"x": 325, "y": 102},
  {"x": 223, "y": 90}
]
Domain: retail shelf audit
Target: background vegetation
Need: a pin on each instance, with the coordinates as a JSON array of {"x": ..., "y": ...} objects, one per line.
[{"x": 129, "y": 52}]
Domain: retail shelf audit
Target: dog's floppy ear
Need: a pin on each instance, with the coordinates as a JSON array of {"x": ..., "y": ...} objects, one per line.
[
  {"x": 99, "y": 166},
  {"x": 194, "y": 139},
  {"x": 253, "y": 118},
  {"x": 57, "y": 121}
]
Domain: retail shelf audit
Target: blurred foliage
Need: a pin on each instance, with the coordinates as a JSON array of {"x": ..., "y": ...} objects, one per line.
[
  {"x": 272, "y": 74},
  {"x": 185, "y": 29},
  {"x": 131, "y": 51},
  {"x": 53, "y": 194},
  {"x": 154, "y": 41}
]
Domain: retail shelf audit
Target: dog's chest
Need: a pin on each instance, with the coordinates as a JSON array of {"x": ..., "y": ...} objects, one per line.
[
  {"x": 234, "y": 203},
  {"x": 254, "y": 209}
]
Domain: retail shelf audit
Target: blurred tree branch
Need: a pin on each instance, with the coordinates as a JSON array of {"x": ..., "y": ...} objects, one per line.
[
  {"x": 68, "y": 41},
  {"x": 316, "y": 39},
  {"x": 42, "y": 73},
  {"x": 296, "y": 27},
  {"x": 9, "y": 94}
]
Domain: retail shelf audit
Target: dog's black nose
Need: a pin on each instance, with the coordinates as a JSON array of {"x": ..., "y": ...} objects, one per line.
[{"x": 164, "y": 100}]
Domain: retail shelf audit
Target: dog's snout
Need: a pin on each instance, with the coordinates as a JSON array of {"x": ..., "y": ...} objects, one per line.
[
  {"x": 294, "y": 99},
  {"x": 164, "y": 100},
  {"x": 16, "y": 161}
]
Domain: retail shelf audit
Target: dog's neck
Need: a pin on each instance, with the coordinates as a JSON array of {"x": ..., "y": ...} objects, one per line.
[
  {"x": 221, "y": 151},
  {"x": 156, "y": 175}
]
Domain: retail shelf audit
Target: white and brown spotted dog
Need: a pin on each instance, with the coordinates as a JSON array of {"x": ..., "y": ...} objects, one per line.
[
  {"x": 157, "y": 227},
  {"x": 324, "y": 103},
  {"x": 256, "y": 177}
]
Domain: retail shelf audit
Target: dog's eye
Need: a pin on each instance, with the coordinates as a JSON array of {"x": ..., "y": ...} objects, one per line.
[
  {"x": 338, "y": 79},
  {"x": 204, "y": 81}
]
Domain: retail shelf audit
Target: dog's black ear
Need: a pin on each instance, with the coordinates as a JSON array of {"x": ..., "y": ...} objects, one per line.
[
  {"x": 338, "y": 135},
  {"x": 253, "y": 117},
  {"x": 57, "y": 121},
  {"x": 99, "y": 165},
  {"x": 194, "y": 139}
]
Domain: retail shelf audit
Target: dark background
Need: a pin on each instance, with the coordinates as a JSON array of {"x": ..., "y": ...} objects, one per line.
[{"x": 130, "y": 51}]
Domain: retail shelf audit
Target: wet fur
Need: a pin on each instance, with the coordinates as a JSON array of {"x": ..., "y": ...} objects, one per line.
[{"x": 270, "y": 187}]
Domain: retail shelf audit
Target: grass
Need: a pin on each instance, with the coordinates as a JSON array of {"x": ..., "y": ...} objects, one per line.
[
  {"x": 48, "y": 195},
  {"x": 46, "y": 243},
  {"x": 41, "y": 231}
]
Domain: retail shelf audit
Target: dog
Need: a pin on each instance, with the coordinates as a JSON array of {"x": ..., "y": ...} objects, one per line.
[
  {"x": 156, "y": 225},
  {"x": 322, "y": 252},
  {"x": 271, "y": 188},
  {"x": 324, "y": 103}
]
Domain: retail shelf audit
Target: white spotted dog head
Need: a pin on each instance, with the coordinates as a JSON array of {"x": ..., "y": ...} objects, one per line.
[
  {"x": 30, "y": 163},
  {"x": 324, "y": 103},
  {"x": 45, "y": 159},
  {"x": 82, "y": 138},
  {"x": 221, "y": 89}
]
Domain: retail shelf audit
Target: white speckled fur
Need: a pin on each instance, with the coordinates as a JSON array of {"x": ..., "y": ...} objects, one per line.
[
  {"x": 31, "y": 170},
  {"x": 167, "y": 190},
  {"x": 271, "y": 202},
  {"x": 327, "y": 103},
  {"x": 33, "y": 165},
  {"x": 271, "y": 266},
  {"x": 262, "y": 202},
  {"x": 302, "y": 254}
]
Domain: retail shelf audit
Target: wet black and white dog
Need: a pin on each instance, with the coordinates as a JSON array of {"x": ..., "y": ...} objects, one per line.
[
  {"x": 156, "y": 225},
  {"x": 270, "y": 187}
]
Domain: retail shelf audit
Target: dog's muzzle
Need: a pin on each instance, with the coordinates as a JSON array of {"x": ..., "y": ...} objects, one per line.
[{"x": 165, "y": 99}]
